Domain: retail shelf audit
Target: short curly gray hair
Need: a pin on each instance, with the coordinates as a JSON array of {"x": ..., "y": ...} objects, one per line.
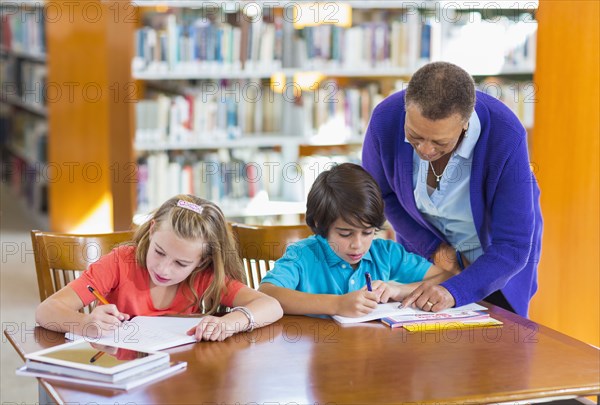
[{"x": 441, "y": 89}]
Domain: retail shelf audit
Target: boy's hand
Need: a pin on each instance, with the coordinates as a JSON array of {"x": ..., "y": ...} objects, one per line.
[
  {"x": 356, "y": 303},
  {"x": 382, "y": 290},
  {"x": 106, "y": 318}
]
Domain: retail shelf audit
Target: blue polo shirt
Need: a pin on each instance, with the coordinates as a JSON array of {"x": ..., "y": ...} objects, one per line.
[{"x": 311, "y": 266}]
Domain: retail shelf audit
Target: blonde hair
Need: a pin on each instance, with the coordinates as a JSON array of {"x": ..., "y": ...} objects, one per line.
[{"x": 219, "y": 246}]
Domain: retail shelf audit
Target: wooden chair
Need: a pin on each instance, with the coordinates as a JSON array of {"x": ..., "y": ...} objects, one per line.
[
  {"x": 61, "y": 257},
  {"x": 260, "y": 246}
]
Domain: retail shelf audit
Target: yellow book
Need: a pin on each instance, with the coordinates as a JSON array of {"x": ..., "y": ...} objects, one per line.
[{"x": 441, "y": 326}]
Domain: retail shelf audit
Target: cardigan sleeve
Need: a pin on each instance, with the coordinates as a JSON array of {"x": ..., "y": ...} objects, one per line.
[
  {"x": 512, "y": 217},
  {"x": 415, "y": 237}
]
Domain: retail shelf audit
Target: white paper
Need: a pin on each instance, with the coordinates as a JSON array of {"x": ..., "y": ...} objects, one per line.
[
  {"x": 148, "y": 333},
  {"x": 391, "y": 309}
]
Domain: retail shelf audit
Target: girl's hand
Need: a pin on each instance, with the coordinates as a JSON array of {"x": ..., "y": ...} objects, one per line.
[
  {"x": 356, "y": 303},
  {"x": 106, "y": 318},
  {"x": 213, "y": 328}
]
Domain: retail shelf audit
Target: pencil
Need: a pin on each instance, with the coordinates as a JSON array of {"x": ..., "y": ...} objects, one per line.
[
  {"x": 97, "y": 356},
  {"x": 98, "y": 295}
]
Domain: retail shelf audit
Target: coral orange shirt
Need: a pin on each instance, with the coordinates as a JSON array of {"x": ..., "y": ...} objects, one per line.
[{"x": 119, "y": 278}]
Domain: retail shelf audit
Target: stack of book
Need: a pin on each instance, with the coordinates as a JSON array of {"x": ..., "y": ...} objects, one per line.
[
  {"x": 87, "y": 363},
  {"x": 441, "y": 320},
  {"x": 413, "y": 319}
]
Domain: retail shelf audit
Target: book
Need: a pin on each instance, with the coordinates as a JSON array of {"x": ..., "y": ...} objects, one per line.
[
  {"x": 398, "y": 320},
  {"x": 391, "y": 309},
  {"x": 147, "y": 333},
  {"x": 94, "y": 361},
  {"x": 452, "y": 324},
  {"x": 127, "y": 384}
]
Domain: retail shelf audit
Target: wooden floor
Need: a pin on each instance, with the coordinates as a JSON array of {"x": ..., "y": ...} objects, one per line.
[{"x": 18, "y": 294}]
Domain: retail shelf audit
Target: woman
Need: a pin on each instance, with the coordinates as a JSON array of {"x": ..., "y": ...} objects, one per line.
[{"x": 454, "y": 170}]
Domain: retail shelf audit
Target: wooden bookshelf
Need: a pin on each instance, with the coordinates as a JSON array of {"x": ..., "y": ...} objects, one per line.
[
  {"x": 566, "y": 158},
  {"x": 91, "y": 131}
]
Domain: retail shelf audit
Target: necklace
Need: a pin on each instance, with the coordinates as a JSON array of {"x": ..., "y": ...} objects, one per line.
[{"x": 437, "y": 177}]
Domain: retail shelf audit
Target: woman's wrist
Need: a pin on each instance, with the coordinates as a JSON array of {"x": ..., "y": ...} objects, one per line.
[{"x": 445, "y": 258}]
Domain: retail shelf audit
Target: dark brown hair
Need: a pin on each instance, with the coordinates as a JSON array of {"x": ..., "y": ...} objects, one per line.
[
  {"x": 441, "y": 89},
  {"x": 217, "y": 243},
  {"x": 346, "y": 191}
]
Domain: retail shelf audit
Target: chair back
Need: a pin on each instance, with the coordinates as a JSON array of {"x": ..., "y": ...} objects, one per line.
[
  {"x": 260, "y": 246},
  {"x": 61, "y": 258}
]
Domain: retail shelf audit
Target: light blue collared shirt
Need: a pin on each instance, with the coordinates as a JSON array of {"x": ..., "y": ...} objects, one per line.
[
  {"x": 312, "y": 266},
  {"x": 449, "y": 208}
]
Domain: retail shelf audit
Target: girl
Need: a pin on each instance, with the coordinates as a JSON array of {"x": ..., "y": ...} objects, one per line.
[{"x": 182, "y": 261}]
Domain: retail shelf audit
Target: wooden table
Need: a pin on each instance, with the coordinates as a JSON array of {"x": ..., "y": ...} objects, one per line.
[{"x": 307, "y": 360}]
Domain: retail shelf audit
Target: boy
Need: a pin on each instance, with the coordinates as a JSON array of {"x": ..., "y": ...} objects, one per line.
[{"x": 325, "y": 274}]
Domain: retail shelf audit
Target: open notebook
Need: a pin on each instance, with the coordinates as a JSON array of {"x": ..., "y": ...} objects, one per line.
[
  {"x": 391, "y": 309},
  {"x": 148, "y": 333}
]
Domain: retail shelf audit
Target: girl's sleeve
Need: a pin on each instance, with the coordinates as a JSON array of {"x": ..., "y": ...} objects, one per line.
[
  {"x": 233, "y": 287},
  {"x": 102, "y": 275}
]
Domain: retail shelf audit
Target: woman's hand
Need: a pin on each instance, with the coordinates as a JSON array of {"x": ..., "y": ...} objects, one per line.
[
  {"x": 356, "y": 303},
  {"x": 445, "y": 257},
  {"x": 430, "y": 297}
]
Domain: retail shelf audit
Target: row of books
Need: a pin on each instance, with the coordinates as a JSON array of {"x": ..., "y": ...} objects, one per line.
[
  {"x": 211, "y": 111},
  {"x": 396, "y": 41},
  {"x": 185, "y": 40},
  {"x": 215, "y": 176},
  {"x": 23, "y": 29},
  {"x": 29, "y": 135},
  {"x": 23, "y": 80},
  {"x": 520, "y": 97},
  {"x": 28, "y": 181},
  {"x": 222, "y": 110},
  {"x": 341, "y": 111},
  {"x": 225, "y": 177}
]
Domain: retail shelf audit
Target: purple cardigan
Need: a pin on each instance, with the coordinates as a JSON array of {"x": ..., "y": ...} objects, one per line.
[{"x": 504, "y": 200}]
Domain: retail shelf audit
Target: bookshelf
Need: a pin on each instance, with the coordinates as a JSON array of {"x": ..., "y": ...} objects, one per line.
[
  {"x": 23, "y": 111},
  {"x": 101, "y": 133},
  {"x": 192, "y": 55}
]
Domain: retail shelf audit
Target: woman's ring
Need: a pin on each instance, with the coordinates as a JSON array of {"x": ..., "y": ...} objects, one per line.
[{"x": 429, "y": 303}]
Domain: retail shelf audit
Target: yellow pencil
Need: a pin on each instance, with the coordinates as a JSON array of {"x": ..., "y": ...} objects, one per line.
[{"x": 98, "y": 295}]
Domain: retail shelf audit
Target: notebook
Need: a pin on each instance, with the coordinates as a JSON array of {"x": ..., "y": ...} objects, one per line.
[
  {"x": 93, "y": 361},
  {"x": 391, "y": 309},
  {"x": 147, "y": 333}
]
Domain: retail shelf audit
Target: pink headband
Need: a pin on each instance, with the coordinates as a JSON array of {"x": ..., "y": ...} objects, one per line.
[{"x": 190, "y": 206}]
